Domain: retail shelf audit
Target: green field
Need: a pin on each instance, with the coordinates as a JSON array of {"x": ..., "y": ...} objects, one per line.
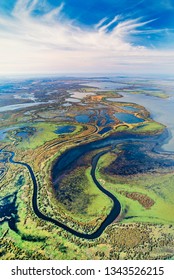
[
  {"x": 155, "y": 189},
  {"x": 45, "y": 132}
]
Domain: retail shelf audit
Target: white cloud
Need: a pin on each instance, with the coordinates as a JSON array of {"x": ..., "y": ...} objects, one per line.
[
  {"x": 100, "y": 23},
  {"x": 24, "y": 7},
  {"x": 51, "y": 43}
]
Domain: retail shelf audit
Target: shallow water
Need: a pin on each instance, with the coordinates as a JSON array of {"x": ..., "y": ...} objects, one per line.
[
  {"x": 19, "y": 106},
  {"x": 129, "y": 108},
  {"x": 82, "y": 118},
  {"x": 74, "y": 100},
  {"x": 80, "y": 95},
  {"x": 105, "y": 129},
  {"x": 66, "y": 104},
  {"x": 64, "y": 129},
  {"x": 23, "y": 134},
  {"x": 128, "y": 118},
  {"x": 161, "y": 110}
]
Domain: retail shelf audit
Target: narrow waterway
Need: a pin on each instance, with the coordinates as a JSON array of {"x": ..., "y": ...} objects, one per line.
[
  {"x": 68, "y": 157},
  {"x": 109, "y": 219}
]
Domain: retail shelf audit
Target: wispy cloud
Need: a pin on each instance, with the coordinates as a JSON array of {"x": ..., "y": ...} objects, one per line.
[
  {"x": 52, "y": 43},
  {"x": 24, "y": 7}
]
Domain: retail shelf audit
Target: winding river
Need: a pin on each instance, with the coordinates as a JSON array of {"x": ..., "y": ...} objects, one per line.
[
  {"x": 109, "y": 219},
  {"x": 68, "y": 157}
]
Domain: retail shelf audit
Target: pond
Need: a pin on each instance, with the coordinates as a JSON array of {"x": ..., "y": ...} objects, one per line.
[
  {"x": 25, "y": 132},
  {"x": 130, "y": 108},
  {"x": 128, "y": 118},
  {"x": 2, "y": 171},
  {"x": 104, "y": 118},
  {"x": 65, "y": 129},
  {"x": 8, "y": 207},
  {"x": 82, "y": 118},
  {"x": 66, "y": 104},
  {"x": 108, "y": 119},
  {"x": 22, "y": 134},
  {"x": 74, "y": 100},
  {"x": 104, "y": 130}
]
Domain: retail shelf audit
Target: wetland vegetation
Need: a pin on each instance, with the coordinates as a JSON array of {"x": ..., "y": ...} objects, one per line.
[{"x": 87, "y": 180}]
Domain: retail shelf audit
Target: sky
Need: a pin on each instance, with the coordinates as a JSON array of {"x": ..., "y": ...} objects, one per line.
[{"x": 94, "y": 36}]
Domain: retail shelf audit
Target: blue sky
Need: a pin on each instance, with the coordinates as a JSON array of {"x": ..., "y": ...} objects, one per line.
[{"x": 72, "y": 36}]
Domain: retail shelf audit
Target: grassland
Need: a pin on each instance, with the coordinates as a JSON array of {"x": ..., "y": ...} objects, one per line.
[
  {"x": 154, "y": 188},
  {"x": 77, "y": 202},
  {"x": 148, "y": 127},
  {"x": 44, "y": 132},
  {"x": 78, "y": 194}
]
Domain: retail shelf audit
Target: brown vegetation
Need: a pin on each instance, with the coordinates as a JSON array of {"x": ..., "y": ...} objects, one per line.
[{"x": 143, "y": 199}]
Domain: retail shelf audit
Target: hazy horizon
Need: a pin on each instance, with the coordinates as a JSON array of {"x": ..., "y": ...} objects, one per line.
[{"x": 54, "y": 37}]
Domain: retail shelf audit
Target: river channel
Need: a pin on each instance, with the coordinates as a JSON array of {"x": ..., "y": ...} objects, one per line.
[
  {"x": 109, "y": 219},
  {"x": 72, "y": 155}
]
